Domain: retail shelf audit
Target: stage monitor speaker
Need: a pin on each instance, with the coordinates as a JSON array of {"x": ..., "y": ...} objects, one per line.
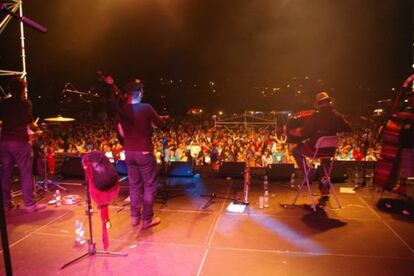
[
  {"x": 232, "y": 169},
  {"x": 280, "y": 172},
  {"x": 181, "y": 169},
  {"x": 338, "y": 175},
  {"x": 72, "y": 167},
  {"x": 121, "y": 167}
]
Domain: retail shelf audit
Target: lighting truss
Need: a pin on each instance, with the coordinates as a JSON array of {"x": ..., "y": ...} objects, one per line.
[{"x": 17, "y": 7}]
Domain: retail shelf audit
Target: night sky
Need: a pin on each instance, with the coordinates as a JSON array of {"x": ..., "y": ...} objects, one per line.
[{"x": 229, "y": 55}]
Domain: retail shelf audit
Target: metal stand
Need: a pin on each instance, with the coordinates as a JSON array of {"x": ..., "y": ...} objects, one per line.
[
  {"x": 365, "y": 141},
  {"x": 246, "y": 185},
  {"x": 4, "y": 238},
  {"x": 92, "y": 246},
  {"x": 213, "y": 196},
  {"x": 46, "y": 182},
  {"x": 164, "y": 194}
]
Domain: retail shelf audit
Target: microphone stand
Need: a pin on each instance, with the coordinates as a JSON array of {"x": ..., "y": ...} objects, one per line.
[
  {"x": 366, "y": 143},
  {"x": 27, "y": 21},
  {"x": 91, "y": 244},
  {"x": 5, "y": 239}
]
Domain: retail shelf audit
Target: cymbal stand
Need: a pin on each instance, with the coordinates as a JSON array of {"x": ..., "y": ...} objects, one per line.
[{"x": 45, "y": 183}]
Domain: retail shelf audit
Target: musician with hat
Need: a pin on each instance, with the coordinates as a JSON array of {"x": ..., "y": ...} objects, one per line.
[{"x": 325, "y": 121}]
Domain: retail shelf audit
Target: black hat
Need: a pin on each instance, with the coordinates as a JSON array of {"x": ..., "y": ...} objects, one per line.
[{"x": 134, "y": 86}]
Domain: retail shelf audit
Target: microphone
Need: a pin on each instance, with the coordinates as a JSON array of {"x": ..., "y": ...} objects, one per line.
[
  {"x": 27, "y": 21},
  {"x": 65, "y": 88}
]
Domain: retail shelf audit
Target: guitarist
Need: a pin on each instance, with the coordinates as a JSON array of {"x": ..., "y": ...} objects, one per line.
[
  {"x": 136, "y": 121},
  {"x": 326, "y": 120},
  {"x": 407, "y": 145}
]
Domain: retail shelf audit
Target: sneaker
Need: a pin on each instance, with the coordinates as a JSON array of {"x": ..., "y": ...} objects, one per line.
[
  {"x": 323, "y": 189},
  {"x": 148, "y": 224},
  {"x": 135, "y": 221},
  {"x": 401, "y": 190},
  {"x": 10, "y": 206},
  {"x": 35, "y": 207}
]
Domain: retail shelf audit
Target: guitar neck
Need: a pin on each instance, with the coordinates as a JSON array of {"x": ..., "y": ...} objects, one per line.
[{"x": 115, "y": 89}]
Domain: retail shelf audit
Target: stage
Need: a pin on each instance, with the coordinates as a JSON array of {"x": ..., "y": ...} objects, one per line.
[{"x": 358, "y": 239}]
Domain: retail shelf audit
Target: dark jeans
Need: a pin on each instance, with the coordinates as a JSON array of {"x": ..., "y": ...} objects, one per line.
[
  {"x": 12, "y": 152},
  {"x": 300, "y": 150},
  {"x": 142, "y": 175}
]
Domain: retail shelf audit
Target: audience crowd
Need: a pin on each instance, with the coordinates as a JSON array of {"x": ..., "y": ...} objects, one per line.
[{"x": 197, "y": 140}]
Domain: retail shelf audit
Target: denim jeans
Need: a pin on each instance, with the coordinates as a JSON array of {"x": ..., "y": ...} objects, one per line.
[
  {"x": 12, "y": 152},
  {"x": 142, "y": 175}
]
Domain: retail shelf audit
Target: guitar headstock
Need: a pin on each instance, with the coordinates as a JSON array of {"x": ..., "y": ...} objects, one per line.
[{"x": 107, "y": 79}]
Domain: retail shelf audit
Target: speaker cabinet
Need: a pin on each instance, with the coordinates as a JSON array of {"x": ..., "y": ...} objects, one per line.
[
  {"x": 280, "y": 172},
  {"x": 72, "y": 167},
  {"x": 232, "y": 169},
  {"x": 181, "y": 169},
  {"x": 121, "y": 167},
  {"x": 338, "y": 175}
]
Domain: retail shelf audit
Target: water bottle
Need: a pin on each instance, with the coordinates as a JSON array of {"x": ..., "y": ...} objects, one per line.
[
  {"x": 266, "y": 195},
  {"x": 292, "y": 180},
  {"x": 356, "y": 178},
  {"x": 58, "y": 198},
  {"x": 80, "y": 233}
]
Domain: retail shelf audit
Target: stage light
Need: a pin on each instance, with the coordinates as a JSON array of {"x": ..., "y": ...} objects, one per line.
[{"x": 285, "y": 232}]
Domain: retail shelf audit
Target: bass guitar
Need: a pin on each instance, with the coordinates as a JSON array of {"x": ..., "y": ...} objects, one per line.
[
  {"x": 386, "y": 169},
  {"x": 120, "y": 97}
]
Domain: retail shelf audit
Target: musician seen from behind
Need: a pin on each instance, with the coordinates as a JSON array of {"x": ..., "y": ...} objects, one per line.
[
  {"x": 137, "y": 120},
  {"x": 16, "y": 117},
  {"x": 407, "y": 145},
  {"x": 325, "y": 121}
]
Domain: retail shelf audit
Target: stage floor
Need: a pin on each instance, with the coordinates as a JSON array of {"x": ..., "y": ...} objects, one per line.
[{"x": 358, "y": 239}]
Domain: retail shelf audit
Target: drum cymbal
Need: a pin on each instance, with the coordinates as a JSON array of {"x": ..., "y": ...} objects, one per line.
[{"x": 59, "y": 118}]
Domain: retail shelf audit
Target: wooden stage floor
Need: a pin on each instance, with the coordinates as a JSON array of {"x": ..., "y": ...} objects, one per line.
[{"x": 358, "y": 239}]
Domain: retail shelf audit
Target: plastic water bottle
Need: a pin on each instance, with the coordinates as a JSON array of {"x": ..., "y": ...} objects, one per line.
[
  {"x": 356, "y": 178},
  {"x": 292, "y": 180},
  {"x": 58, "y": 198},
  {"x": 266, "y": 195},
  {"x": 80, "y": 233}
]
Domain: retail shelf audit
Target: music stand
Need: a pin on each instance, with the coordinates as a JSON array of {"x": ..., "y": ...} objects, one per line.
[{"x": 91, "y": 244}]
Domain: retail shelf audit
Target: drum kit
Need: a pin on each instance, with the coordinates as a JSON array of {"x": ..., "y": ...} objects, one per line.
[
  {"x": 40, "y": 154},
  {"x": 45, "y": 129}
]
